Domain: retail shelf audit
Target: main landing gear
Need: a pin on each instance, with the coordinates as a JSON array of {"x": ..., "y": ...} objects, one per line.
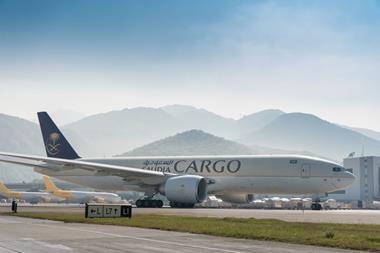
[
  {"x": 153, "y": 203},
  {"x": 316, "y": 206},
  {"x": 181, "y": 205}
]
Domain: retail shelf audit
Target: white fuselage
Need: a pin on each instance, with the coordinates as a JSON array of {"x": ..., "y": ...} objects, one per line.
[
  {"x": 32, "y": 197},
  {"x": 87, "y": 196},
  {"x": 271, "y": 174}
]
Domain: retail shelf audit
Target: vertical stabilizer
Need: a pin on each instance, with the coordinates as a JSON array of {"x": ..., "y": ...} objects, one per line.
[
  {"x": 4, "y": 190},
  {"x": 49, "y": 185},
  {"x": 56, "y": 144}
]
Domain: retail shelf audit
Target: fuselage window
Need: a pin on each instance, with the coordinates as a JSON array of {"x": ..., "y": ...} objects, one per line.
[
  {"x": 293, "y": 161},
  {"x": 337, "y": 169}
]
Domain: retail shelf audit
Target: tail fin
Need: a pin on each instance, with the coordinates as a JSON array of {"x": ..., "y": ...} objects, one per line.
[
  {"x": 56, "y": 144},
  {"x": 3, "y": 188},
  {"x": 49, "y": 185}
]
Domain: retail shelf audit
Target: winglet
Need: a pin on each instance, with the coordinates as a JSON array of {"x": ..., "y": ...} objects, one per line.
[
  {"x": 49, "y": 185},
  {"x": 56, "y": 144}
]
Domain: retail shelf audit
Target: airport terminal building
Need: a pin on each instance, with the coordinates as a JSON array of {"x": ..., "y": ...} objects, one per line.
[{"x": 366, "y": 187}]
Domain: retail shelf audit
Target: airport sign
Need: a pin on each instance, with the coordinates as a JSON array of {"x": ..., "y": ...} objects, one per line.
[{"x": 108, "y": 211}]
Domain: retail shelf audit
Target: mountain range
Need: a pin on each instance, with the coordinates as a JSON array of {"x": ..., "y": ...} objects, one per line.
[
  {"x": 19, "y": 136},
  {"x": 193, "y": 142},
  {"x": 129, "y": 131},
  {"x": 300, "y": 131}
]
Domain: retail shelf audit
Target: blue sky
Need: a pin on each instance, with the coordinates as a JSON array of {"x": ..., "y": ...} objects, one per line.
[{"x": 231, "y": 57}]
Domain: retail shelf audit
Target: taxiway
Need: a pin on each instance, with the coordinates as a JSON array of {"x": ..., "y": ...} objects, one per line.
[
  {"x": 324, "y": 216},
  {"x": 32, "y": 235}
]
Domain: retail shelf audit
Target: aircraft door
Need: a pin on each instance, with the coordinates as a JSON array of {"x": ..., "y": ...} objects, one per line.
[{"x": 305, "y": 170}]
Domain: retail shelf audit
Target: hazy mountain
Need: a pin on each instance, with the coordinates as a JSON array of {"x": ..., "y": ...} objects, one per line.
[
  {"x": 209, "y": 122},
  {"x": 193, "y": 142},
  {"x": 176, "y": 110},
  {"x": 299, "y": 131},
  {"x": 367, "y": 132},
  {"x": 255, "y": 121},
  {"x": 116, "y": 131},
  {"x": 19, "y": 136},
  {"x": 194, "y": 118},
  {"x": 63, "y": 117}
]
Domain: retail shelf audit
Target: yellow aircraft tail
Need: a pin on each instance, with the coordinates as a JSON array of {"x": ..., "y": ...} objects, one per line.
[
  {"x": 4, "y": 190},
  {"x": 50, "y": 186}
]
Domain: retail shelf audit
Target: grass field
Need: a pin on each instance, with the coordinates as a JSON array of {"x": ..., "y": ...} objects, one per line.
[{"x": 346, "y": 236}]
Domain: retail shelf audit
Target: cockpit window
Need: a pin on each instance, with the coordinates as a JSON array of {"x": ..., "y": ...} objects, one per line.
[
  {"x": 293, "y": 161},
  {"x": 337, "y": 169}
]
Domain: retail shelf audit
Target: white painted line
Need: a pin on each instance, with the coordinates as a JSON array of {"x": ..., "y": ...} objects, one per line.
[
  {"x": 47, "y": 245},
  {"x": 144, "y": 239}
]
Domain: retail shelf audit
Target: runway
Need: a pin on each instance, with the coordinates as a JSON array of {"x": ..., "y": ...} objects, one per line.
[
  {"x": 330, "y": 216},
  {"x": 32, "y": 235}
]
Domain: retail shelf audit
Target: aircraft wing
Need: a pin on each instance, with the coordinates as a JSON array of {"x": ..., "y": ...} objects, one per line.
[{"x": 128, "y": 173}]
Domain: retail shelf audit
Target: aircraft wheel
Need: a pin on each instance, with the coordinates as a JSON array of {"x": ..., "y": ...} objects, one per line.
[
  {"x": 316, "y": 206},
  {"x": 146, "y": 203},
  {"x": 160, "y": 203},
  {"x": 139, "y": 203},
  {"x": 181, "y": 205}
]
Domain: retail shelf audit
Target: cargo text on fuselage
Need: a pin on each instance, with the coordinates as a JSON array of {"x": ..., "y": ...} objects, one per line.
[{"x": 193, "y": 166}]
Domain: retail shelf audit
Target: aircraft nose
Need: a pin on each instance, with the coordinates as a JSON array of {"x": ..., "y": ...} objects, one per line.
[
  {"x": 348, "y": 178},
  {"x": 351, "y": 176}
]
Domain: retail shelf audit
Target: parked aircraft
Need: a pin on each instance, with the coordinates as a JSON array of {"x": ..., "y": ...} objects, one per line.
[
  {"x": 31, "y": 197},
  {"x": 80, "y": 196},
  {"x": 185, "y": 180}
]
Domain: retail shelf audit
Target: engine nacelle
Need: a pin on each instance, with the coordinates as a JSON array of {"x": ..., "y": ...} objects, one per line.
[
  {"x": 237, "y": 198},
  {"x": 185, "y": 189}
]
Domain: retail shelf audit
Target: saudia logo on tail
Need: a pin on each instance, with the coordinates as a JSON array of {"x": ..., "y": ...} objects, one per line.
[
  {"x": 52, "y": 144},
  {"x": 193, "y": 166}
]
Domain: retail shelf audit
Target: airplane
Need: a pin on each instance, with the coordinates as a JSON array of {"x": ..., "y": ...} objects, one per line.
[
  {"x": 80, "y": 196},
  {"x": 185, "y": 180},
  {"x": 31, "y": 197}
]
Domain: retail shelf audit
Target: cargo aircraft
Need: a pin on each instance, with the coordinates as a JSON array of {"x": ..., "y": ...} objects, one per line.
[
  {"x": 31, "y": 197},
  {"x": 80, "y": 196},
  {"x": 185, "y": 180}
]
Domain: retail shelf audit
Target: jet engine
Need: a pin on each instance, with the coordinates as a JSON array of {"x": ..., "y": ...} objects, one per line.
[
  {"x": 237, "y": 198},
  {"x": 185, "y": 189}
]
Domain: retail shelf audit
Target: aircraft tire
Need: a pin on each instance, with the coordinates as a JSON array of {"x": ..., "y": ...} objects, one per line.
[
  {"x": 149, "y": 203},
  {"x": 316, "y": 207},
  {"x": 180, "y": 205},
  {"x": 139, "y": 203}
]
